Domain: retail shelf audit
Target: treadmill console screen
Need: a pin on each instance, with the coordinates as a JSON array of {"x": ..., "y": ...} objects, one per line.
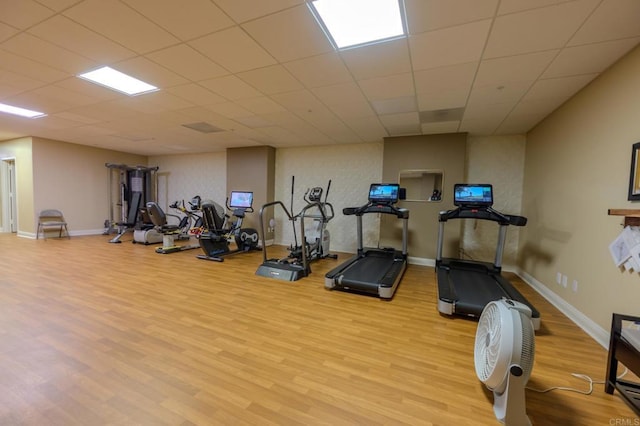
[
  {"x": 384, "y": 193},
  {"x": 240, "y": 199},
  {"x": 474, "y": 195}
]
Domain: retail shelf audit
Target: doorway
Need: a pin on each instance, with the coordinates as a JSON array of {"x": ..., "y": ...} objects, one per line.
[{"x": 8, "y": 199}]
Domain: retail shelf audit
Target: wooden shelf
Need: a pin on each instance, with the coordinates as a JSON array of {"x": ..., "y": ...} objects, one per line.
[{"x": 631, "y": 216}]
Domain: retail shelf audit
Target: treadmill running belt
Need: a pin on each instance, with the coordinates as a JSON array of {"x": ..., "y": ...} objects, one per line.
[
  {"x": 366, "y": 273},
  {"x": 480, "y": 288}
]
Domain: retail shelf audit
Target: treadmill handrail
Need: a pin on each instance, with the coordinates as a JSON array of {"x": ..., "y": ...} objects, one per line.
[
  {"x": 483, "y": 213},
  {"x": 401, "y": 213}
]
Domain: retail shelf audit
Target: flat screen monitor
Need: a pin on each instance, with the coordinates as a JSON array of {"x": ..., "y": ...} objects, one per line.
[
  {"x": 386, "y": 193},
  {"x": 474, "y": 195},
  {"x": 241, "y": 199}
]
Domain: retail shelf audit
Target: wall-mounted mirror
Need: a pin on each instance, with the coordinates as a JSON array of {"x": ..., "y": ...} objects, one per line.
[{"x": 422, "y": 185}]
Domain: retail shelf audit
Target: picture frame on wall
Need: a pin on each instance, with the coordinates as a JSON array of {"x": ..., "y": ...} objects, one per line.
[{"x": 634, "y": 178}]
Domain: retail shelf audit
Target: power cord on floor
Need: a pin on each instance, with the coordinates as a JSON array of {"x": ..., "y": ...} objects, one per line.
[{"x": 579, "y": 376}]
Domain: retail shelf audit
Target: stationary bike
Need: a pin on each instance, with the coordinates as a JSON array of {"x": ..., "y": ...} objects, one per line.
[
  {"x": 214, "y": 240},
  {"x": 189, "y": 226}
]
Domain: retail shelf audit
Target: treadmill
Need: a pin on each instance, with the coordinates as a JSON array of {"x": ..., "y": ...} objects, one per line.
[
  {"x": 373, "y": 271},
  {"x": 465, "y": 287}
]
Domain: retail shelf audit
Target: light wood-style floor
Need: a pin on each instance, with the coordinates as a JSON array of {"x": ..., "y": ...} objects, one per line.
[{"x": 94, "y": 333}]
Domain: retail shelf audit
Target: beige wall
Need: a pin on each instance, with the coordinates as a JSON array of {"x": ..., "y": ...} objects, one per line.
[
  {"x": 498, "y": 160},
  {"x": 577, "y": 167},
  {"x": 253, "y": 169},
  {"x": 73, "y": 178},
  {"x": 351, "y": 168},
  {"x": 20, "y": 149},
  {"x": 181, "y": 177},
  {"x": 445, "y": 152}
]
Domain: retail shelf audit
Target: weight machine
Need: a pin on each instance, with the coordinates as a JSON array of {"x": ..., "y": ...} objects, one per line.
[{"x": 130, "y": 188}]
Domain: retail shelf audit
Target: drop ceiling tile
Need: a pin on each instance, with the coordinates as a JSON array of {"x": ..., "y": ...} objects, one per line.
[
  {"x": 439, "y": 128},
  {"x": 29, "y": 68},
  {"x": 300, "y": 101},
  {"x": 436, "y": 48},
  {"x": 345, "y": 100},
  {"x": 290, "y": 34},
  {"x": 146, "y": 70},
  {"x": 23, "y": 13},
  {"x": 494, "y": 72},
  {"x": 444, "y": 87},
  {"x": 260, "y": 105},
  {"x": 429, "y": 15},
  {"x": 186, "y": 21},
  {"x": 395, "y": 105},
  {"x": 392, "y": 86},
  {"x": 57, "y": 5},
  {"x": 79, "y": 118},
  {"x": 479, "y": 126},
  {"x": 612, "y": 19},
  {"x": 339, "y": 93},
  {"x": 321, "y": 70},
  {"x": 241, "y": 11},
  {"x": 64, "y": 32},
  {"x": 195, "y": 94},
  {"x": 494, "y": 112},
  {"x": 12, "y": 83},
  {"x": 233, "y": 49},
  {"x": 537, "y": 29},
  {"x": 507, "y": 93},
  {"x": 7, "y": 31},
  {"x": 369, "y": 129},
  {"x": 95, "y": 91},
  {"x": 271, "y": 80},
  {"x": 378, "y": 60},
  {"x": 590, "y": 58},
  {"x": 188, "y": 62},
  {"x": 446, "y": 99},
  {"x": 132, "y": 30},
  {"x": 401, "y": 124},
  {"x": 511, "y": 6},
  {"x": 230, "y": 110},
  {"x": 32, "y": 47},
  {"x": 561, "y": 87},
  {"x": 352, "y": 109},
  {"x": 254, "y": 121},
  {"x": 519, "y": 124},
  {"x": 153, "y": 103},
  {"x": 231, "y": 87}
]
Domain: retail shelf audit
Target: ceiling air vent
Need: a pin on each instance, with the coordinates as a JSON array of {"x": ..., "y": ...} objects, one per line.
[{"x": 203, "y": 127}]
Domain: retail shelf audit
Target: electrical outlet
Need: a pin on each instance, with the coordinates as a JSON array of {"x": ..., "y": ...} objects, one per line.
[
  {"x": 574, "y": 286},
  {"x": 564, "y": 281},
  {"x": 559, "y": 277}
]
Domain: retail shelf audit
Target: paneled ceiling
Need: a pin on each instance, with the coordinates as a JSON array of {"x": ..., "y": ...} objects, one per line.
[{"x": 261, "y": 72}]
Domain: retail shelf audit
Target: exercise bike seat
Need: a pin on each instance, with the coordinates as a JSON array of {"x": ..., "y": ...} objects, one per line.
[{"x": 159, "y": 219}]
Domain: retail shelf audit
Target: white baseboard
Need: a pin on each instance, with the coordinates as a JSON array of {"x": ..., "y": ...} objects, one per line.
[
  {"x": 82, "y": 232},
  {"x": 596, "y": 332},
  {"x": 422, "y": 261}
]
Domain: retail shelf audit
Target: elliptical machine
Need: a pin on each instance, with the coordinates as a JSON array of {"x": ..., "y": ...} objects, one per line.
[
  {"x": 314, "y": 236},
  {"x": 214, "y": 240}
]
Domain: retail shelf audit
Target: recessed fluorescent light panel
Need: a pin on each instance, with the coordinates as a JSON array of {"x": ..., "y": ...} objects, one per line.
[
  {"x": 116, "y": 80},
  {"x": 359, "y": 22},
  {"x": 22, "y": 112}
]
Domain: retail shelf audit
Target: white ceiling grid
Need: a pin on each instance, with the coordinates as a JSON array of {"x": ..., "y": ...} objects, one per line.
[{"x": 264, "y": 72}]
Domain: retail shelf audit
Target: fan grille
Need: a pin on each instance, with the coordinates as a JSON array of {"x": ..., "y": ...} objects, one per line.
[
  {"x": 487, "y": 345},
  {"x": 528, "y": 346}
]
